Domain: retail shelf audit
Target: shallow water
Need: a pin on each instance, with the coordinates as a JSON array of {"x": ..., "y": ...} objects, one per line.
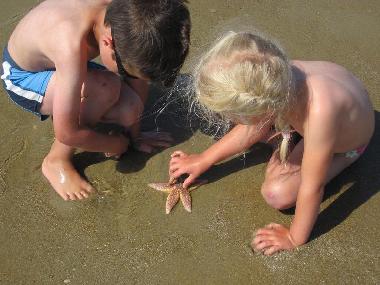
[{"x": 123, "y": 236}]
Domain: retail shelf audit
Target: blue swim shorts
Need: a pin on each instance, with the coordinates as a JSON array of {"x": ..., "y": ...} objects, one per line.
[{"x": 26, "y": 88}]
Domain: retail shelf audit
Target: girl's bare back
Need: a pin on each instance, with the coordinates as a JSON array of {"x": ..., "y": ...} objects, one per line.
[{"x": 332, "y": 86}]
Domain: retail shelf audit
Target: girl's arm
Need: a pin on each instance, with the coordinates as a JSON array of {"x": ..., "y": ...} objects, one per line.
[
  {"x": 239, "y": 139},
  {"x": 318, "y": 155},
  {"x": 320, "y": 133}
]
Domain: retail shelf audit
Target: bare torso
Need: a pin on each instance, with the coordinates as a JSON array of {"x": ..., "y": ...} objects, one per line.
[
  {"x": 52, "y": 23},
  {"x": 330, "y": 86}
]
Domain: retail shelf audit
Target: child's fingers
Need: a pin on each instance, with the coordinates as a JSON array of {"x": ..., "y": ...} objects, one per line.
[
  {"x": 264, "y": 231},
  {"x": 172, "y": 180},
  {"x": 111, "y": 155},
  {"x": 178, "y": 153},
  {"x": 258, "y": 239},
  {"x": 177, "y": 173},
  {"x": 165, "y": 136},
  {"x": 174, "y": 161},
  {"x": 189, "y": 180},
  {"x": 145, "y": 148},
  {"x": 172, "y": 170},
  {"x": 171, "y": 175},
  {"x": 173, "y": 164},
  {"x": 271, "y": 250},
  {"x": 272, "y": 226},
  {"x": 264, "y": 244}
]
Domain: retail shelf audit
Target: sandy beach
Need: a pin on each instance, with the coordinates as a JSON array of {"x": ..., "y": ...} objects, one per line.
[{"x": 122, "y": 234}]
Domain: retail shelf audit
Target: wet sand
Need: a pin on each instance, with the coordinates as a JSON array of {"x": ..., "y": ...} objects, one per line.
[{"x": 122, "y": 235}]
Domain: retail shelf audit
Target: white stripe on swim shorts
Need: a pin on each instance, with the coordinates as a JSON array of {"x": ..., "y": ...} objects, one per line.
[{"x": 15, "y": 89}]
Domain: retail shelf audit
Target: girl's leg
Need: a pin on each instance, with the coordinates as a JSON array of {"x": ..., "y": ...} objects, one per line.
[
  {"x": 281, "y": 184},
  {"x": 100, "y": 93}
]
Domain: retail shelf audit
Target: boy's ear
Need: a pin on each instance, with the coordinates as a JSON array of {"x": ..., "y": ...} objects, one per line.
[{"x": 107, "y": 41}]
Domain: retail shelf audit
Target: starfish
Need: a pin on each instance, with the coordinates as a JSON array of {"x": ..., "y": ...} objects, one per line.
[{"x": 177, "y": 192}]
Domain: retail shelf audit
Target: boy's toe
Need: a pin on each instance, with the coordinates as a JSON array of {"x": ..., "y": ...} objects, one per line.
[
  {"x": 64, "y": 196},
  {"x": 79, "y": 196},
  {"x": 72, "y": 196},
  {"x": 87, "y": 187}
]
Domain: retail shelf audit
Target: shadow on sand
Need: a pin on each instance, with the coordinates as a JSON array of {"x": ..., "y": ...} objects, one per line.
[
  {"x": 170, "y": 113},
  {"x": 168, "y": 110}
]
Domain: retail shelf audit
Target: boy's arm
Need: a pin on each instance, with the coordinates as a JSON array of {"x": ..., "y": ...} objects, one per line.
[
  {"x": 71, "y": 68},
  {"x": 145, "y": 141}
]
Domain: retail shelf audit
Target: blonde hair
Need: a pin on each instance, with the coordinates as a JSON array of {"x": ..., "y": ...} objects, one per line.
[{"x": 244, "y": 74}]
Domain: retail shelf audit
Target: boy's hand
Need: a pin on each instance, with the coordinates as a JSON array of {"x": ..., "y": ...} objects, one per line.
[
  {"x": 182, "y": 163},
  {"x": 124, "y": 142},
  {"x": 273, "y": 238},
  {"x": 149, "y": 141}
]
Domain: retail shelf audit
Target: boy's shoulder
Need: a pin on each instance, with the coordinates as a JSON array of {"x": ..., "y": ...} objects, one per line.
[{"x": 48, "y": 29}]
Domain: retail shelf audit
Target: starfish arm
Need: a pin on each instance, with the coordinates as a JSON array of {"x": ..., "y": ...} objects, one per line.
[
  {"x": 172, "y": 199},
  {"x": 163, "y": 187},
  {"x": 185, "y": 199}
]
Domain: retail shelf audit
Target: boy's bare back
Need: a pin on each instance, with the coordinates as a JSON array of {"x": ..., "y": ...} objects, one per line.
[{"x": 51, "y": 30}]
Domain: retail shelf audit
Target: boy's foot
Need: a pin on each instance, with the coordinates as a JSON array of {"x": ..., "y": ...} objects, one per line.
[{"x": 65, "y": 180}]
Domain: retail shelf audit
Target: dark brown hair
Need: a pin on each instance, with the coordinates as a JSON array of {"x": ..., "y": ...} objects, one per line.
[{"x": 151, "y": 35}]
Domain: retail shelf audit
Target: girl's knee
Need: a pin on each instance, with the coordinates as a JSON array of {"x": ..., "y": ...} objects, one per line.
[{"x": 277, "y": 195}]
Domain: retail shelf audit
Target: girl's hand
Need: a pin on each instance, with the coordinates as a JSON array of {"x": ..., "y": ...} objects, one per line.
[
  {"x": 149, "y": 141},
  {"x": 273, "y": 238},
  {"x": 182, "y": 163}
]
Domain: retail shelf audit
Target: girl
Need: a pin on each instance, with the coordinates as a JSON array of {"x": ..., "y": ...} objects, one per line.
[{"x": 249, "y": 80}]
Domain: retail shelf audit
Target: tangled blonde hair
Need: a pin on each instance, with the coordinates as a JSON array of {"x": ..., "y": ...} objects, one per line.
[{"x": 244, "y": 75}]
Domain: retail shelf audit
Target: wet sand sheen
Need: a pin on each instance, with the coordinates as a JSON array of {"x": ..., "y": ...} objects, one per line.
[{"x": 123, "y": 236}]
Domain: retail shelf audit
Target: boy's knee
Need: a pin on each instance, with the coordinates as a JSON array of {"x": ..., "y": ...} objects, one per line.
[
  {"x": 136, "y": 105},
  {"x": 275, "y": 194},
  {"x": 131, "y": 108},
  {"x": 108, "y": 85}
]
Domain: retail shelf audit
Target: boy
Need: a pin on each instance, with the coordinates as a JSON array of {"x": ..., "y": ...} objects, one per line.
[{"x": 47, "y": 70}]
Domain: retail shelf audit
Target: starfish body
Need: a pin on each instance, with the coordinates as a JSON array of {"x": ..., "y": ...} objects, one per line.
[{"x": 177, "y": 192}]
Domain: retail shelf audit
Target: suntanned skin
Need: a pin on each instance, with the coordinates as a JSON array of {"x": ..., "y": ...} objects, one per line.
[
  {"x": 333, "y": 114},
  {"x": 65, "y": 35}
]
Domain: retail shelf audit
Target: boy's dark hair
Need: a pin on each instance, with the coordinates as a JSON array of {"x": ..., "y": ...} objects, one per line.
[{"x": 151, "y": 35}]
